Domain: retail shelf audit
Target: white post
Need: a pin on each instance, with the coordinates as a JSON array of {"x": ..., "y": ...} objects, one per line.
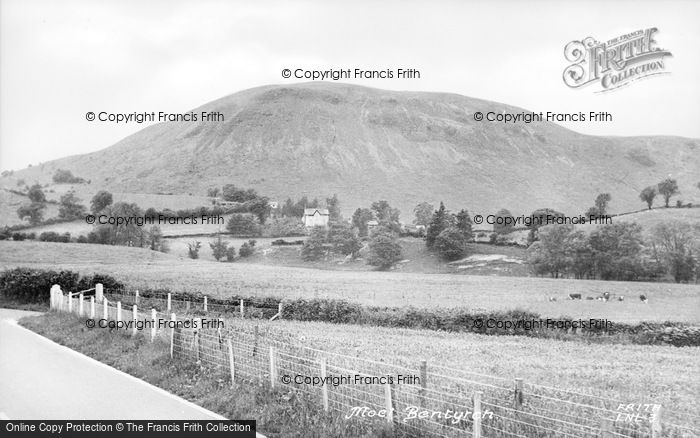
[
  {"x": 324, "y": 388},
  {"x": 70, "y": 303},
  {"x": 273, "y": 368},
  {"x": 92, "y": 307},
  {"x": 388, "y": 405},
  {"x": 153, "y": 326},
  {"x": 476, "y": 432},
  {"x": 656, "y": 428},
  {"x": 80, "y": 305},
  {"x": 205, "y": 303},
  {"x": 105, "y": 309},
  {"x": 99, "y": 292},
  {"x": 135, "y": 313},
  {"x": 172, "y": 334},
  {"x": 230, "y": 361},
  {"x": 279, "y": 310},
  {"x": 169, "y": 302},
  {"x": 241, "y": 307},
  {"x": 119, "y": 310},
  {"x": 137, "y": 297}
]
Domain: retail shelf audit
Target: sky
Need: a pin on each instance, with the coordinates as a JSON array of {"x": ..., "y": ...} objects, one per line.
[{"x": 61, "y": 59}]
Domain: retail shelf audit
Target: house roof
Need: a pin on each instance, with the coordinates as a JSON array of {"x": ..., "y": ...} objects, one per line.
[{"x": 312, "y": 211}]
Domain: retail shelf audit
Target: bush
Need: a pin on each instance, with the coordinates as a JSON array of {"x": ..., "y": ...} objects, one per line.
[
  {"x": 247, "y": 249},
  {"x": 451, "y": 244},
  {"x": 193, "y": 249},
  {"x": 18, "y": 236},
  {"x": 315, "y": 246},
  {"x": 285, "y": 227},
  {"x": 32, "y": 286},
  {"x": 243, "y": 225},
  {"x": 63, "y": 176},
  {"x": 52, "y": 236},
  {"x": 384, "y": 249},
  {"x": 230, "y": 254}
]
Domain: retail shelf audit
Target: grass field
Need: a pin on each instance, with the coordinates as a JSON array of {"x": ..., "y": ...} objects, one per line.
[
  {"x": 141, "y": 268},
  {"x": 628, "y": 373}
]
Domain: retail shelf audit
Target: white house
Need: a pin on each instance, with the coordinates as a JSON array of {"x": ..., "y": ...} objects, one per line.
[{"x": 316, "y": 217}]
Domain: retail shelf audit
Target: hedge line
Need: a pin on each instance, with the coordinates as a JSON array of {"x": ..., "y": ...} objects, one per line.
[{"x": 28, "y": 285}]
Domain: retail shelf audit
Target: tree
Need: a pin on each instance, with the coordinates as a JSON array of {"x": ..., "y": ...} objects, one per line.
[
  {"x": 285, "y": 227},
  {"x": 601, "y": 203},
  {"x": 36, "y": 195},
  {"x": 423, "y": 213},
  {"x": 100, "y": 201},
  {"x": 243, "y": 225},
  {"x": 124, "y": 233},
  {"x": 213, "y": 192},
  {"x": 70, "y": 207},
  {"x": 218, "y": 247},
  {"x": 260, "y": 207},
  {"x": 617, "y": 251},
  {"x": 503, "y": 222},
  {"x": 193, "y": 249},
  {"x": 314, "y": 247},
  {"x": 441, "y": 220},
  {"x": 343, "y": 239},
  {"x": 155, "y": 240},
  {"x": 247, "y": 249},
  {"x": 360, "y": 219},
  {"x": 63, "y": 176},
  {"x": 33, "y": 212},
  {"x": 463, "y": 222},
  {"x": 668, "y": 188},
  {"x": 232, "y": 193},
  {"x": 451, "y": 243},
  {"x": 333, "y": 205},
  {"x": 550, "y": 255},
  {"x": 384, "y": 249},
  {"x": 677, "y": 243},
  {"x": 647, "y": 195},
  {"x": 386, "y": 215}
]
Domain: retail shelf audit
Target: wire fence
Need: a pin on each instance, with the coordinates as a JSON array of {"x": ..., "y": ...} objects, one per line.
[{"x": 426, "y": 400}]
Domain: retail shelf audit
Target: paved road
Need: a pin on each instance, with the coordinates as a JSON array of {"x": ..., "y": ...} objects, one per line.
[{"x": 41, "y": 380}]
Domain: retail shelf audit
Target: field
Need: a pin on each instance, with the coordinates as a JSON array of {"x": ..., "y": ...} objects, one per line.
[
  {"x": 628, "y": 373},
  {"x": 141, "y": 268}
]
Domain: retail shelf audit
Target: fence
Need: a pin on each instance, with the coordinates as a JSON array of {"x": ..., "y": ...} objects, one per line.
[{"x": 432, "y": 400}]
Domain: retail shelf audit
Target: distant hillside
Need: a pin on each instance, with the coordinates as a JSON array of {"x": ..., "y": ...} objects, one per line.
[{"x": 367, "y": 144}]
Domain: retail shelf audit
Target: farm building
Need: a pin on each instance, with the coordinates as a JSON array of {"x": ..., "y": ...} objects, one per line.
[{"x": 316, "y": 217}]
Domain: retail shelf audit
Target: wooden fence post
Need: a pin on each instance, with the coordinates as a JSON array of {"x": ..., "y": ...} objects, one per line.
[
  {"x": 279, "y": 310},
  {"x": 230, "y": 361},
  {"x": 255, "y": 341},
  {"x": 92, "y": 307},
  {"x": 153, "y": 326},
  {"x": 105, "y": 309},
  {"x": 388, "y": 405},
  {"x": 70, "y": 303},
  {"x": 136, "y": 297},
  {"x": 172, "y": 334},
  {"x": 273, "y": 367},
  {"x": 119, "y": 310},
  {"x": 518, "y": 393},
  {"x": 81, "y": 300},
  {"x": 170, "y": 304},
  {"x": 242, "y": 308},
  {"x": 476, "y": 432},
  {"x": 187, "y": 306},
  {"x": 324, "y": 388},
  {"x": 605, "y": 428},
  {"x": 135, "y": 314},
  {"x": 205, "y": 304},
  {"x": 423, "y": 380},
  {"x": 656, "y": 428}
]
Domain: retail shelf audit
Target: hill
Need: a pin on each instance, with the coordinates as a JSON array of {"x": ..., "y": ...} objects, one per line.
[{"x": 367, "y": 144}]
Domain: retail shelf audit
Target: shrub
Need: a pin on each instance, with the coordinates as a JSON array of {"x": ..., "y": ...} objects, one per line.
[
  {"x": 32, "y": 286},
  {"x": 52, "y": 236},
  {"x": 384, "y": 249},
  {"x": 193, "y": 249},
  {"x": 315, "y": 246},
  {"x": 451, "y": 244},
  {"x": 247, "y": 249},
  {"x": 243, "y": 225},
  {"x": 285, "y": 227},
  {"x": 230, "y": 254},
  {"x": 18, "y": 236},
  {"x": 63, "y": 176}
]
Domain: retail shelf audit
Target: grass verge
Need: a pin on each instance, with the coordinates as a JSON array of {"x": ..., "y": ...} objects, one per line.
[{"x": 279, "y": 412}]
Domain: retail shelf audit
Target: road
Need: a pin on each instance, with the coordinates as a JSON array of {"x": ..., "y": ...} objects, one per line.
[{"x": 41, "y": 380}]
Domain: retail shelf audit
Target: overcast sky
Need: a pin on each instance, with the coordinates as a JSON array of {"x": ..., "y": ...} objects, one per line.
[{"x": 61, "y": 59}]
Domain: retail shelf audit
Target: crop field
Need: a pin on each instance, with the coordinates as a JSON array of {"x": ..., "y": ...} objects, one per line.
[{"x": 141, "y": 268}]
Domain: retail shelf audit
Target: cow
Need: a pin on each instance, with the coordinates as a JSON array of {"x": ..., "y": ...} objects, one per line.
[
  {"x": 574, "y": 296},
  {"x": 606, "y": 296},
  {"x": 590, "y": 298},
  {"x": 643, "y": 298},
  {"x": 621, "y": 298},
  {"x": 552, "y": 298}
]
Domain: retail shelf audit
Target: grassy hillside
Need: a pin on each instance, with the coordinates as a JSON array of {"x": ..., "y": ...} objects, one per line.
[
  {"x": 367, "y": 144},
  {"x": 141, "y": 268}
]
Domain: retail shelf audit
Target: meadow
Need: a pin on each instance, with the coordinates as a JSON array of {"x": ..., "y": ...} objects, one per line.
[{"x": 141, "y": 268}]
